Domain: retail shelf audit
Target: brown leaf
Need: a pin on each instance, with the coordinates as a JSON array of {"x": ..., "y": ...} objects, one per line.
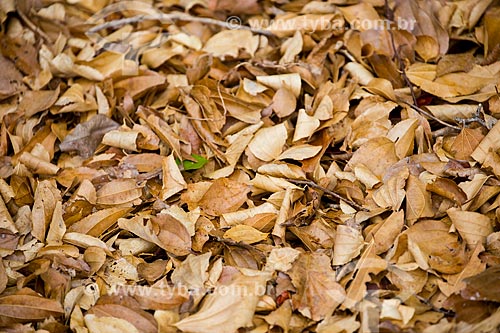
[
  {"x": 448, "y": 189},
  {"x": 224, "y": 196},
  {"x": 143, "y": 321},
  {"x": 433, "y": 246},
  {"x": 385, "y": 233},
  {"x": 483, "y": 286},
  {"x": 228, "y": 307},
  {"x": 28, "y": 307},
  {"x": 318, "y": 294},
  {"x": 86, "y": 136},
  {"x": 466, "y": 142},
  {"x": 172, "y": 235}
]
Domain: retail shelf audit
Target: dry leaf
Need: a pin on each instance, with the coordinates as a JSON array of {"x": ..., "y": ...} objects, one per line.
[
  {"x": 268, "y": 142},
  {"x": 317, "y": 292},
  {"x": 228, "y": 307},
  {"x": 86, "y": 136},
  {"x": 246, "y": 234},
  {"x": 224, "y": 196},
  {"x": 472, "y": 226},
  {"x": 348, "y": 244}
]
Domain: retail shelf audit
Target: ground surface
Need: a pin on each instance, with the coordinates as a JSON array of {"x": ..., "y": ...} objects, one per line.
[{"x": 251, "y": 166}]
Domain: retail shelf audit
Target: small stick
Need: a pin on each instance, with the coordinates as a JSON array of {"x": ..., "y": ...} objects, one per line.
[
  {"x": 176, "y": 17},
  {"x": 312, "y": 184},
  {"x": 33, "y": 27},
  {"x": 430, "y": 115}
]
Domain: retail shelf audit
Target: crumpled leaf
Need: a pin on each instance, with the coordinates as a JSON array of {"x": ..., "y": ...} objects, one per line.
[
  {"x": 434, "y": 247},
  {"x": 229, "y": 307},
  {"x": 86, "y": 136},
  {"x": 473, "y": 227}
]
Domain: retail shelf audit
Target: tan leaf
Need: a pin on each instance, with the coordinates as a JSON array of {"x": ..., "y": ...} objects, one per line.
[
  {"x": 473, "y": 227},
  {"x": 284, "y": 102},
  {"x": 385, "y": 233},
  {"x": 318, "y": 295},
  {"x": 238, "y": 217},
  {"x": 427, "y": 47},
  {"x": 173, "y": 181},
  {"x": 369, "y": 263},
  {"x": 37, "y": 101},
  {"x": 290, "y": 81},
  {"x": 452, "y": 84},
  {"x": 466, "y": 142},
  {"x": 229, "y": 42},
  {"x": 120, "y": 192},
  {"x": 46, "y": 197},
  {"x": 490, "y": 142},
  {"x": 192, "y": 272},
  {"x": 455, "y": 283},
  {"x": 138, "y": 85},
  {"x": 339, "y": 324},
  {"x": 281, "y": 316},
  {"x": 440, "y": 249},
  {"x": 142, "y": 321},
  {"x": 246, "y": 234},
  {"x": 228, "y": 308},
  {"x": 418, "y": 200},
  {"x": 108, "y": 325},
  {"x": 448, "y": 189},
  {"x": 268, "y": 142},
  {"x": 224, "y": 196},
  {"x": 29, "y": 307},
  {"x": 377, "y": 154},
  {"x": 97, "y": 223},
  {"x": 306, "y": 125},
  {"x": 348, "y": 244},
  {"x": 281, "y": 259},
  {"x": 172, "y": 235},
  {"x": 300, "y": 152}
]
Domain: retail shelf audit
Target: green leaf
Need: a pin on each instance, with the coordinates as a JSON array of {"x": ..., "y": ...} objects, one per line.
[{"x": 190, "y": 165}]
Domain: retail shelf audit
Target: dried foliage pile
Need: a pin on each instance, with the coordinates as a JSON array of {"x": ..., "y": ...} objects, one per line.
[{"x": 322, "y": 167}]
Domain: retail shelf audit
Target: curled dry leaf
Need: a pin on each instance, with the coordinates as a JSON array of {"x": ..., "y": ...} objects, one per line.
[
  {"x": 229, "y": 307},
  {"x": 433, "y": 246},
  {"x": 268, "y": 142},
  {"x": 473, "y": 227},
  {"x": 174, "y": 189}
]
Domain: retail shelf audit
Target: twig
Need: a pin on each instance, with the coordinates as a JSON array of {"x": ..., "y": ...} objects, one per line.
[
  {"x": 312, "y": 184},
  {"x": 430, "y": 115},
  {"x": 33, "y": 27},
  {"x": 492, "y": 57},
  {"x": 341, "y": 157},
  {"x": 176, "y": 17},
  {"x": 475, "y": 119},
  {"x": 390, "y": 16}
]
